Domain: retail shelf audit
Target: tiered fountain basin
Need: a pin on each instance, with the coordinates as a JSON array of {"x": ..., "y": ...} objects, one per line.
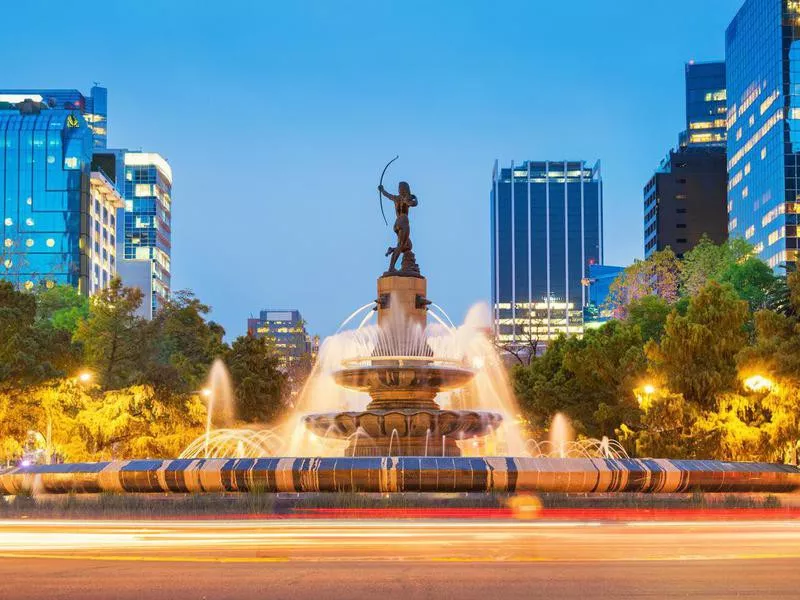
[
  {"x": 403, "y": 418},
  {"x": 404, "y": 474}
]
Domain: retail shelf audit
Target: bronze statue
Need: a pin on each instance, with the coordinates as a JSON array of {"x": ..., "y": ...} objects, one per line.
[{"x": 402, "y": 227}]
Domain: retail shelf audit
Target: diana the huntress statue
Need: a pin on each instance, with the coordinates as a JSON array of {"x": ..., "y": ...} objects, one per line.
[{"x": 402, "y": 227}]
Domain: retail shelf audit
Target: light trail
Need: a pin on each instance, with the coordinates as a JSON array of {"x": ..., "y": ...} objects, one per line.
[{"x": 388, "y": 540}]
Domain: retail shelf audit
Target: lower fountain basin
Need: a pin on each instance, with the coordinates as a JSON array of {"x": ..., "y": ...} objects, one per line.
[{"x": 403, "y": 431}]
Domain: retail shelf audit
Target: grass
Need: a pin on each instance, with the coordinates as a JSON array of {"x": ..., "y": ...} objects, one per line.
[{"x": 146, "y": 506}]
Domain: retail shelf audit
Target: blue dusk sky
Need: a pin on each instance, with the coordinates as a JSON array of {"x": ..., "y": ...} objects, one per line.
[{"x": 277, "y": 118}]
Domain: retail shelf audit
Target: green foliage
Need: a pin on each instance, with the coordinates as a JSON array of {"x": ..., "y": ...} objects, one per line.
[
  {"x": 181, "y": 344},
  {"x": 258, "y": 384},
  {"x": 710, "y": 262},
  {"x": 113, "y": 336},
  {"x": 29, "y": 352},
  {"x": 62, "y": 306},
  {"x": 591, "y": 380},
  {"x": 697, "y": 354},
  {"x": 650, "y": 315}
]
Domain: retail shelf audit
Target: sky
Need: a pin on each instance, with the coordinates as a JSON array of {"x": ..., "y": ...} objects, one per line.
[{"x": 278, "y": 117}]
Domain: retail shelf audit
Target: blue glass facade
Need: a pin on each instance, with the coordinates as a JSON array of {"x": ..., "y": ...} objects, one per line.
[
  {"x": 706, "y": 104},
  {"x": 93, "y": 107},
  {"x": 598, "y": 283},
  {"x": 145, "y": 226},
  {"x": 546, "y": 223},
  {"x": 762, "y": 52},
  {"x": 45, "y": 169}
]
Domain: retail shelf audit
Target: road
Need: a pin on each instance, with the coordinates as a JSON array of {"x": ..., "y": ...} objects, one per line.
[{"x": 437, "y": 559}]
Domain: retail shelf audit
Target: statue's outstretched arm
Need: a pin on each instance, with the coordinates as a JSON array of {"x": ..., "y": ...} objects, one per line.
[{"x": 386, "y": 194}]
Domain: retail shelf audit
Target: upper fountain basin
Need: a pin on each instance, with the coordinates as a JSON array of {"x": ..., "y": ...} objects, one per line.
[{"x": 403, "y": 381}]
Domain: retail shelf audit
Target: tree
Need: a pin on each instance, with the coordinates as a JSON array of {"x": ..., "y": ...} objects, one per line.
[
  {"x": 650, "y": 315},
  {"x": 258, "y": 383},
  {"x": 708, "y": 261},
  {"x": 113, "y": 336},
  {"x": 657, "y": 275},
  {"x": 62, "y": 307},
  {"x": 696, "y": 356},
  {"x": 591, "y": 380},
  {"x": 182, "y": 344},
  {"x": 29, "y": 354}
]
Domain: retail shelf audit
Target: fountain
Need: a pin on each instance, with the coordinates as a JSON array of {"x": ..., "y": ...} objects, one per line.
[
  {"x": 402, "y": 374},
  {"x": 399, "y": 405}
]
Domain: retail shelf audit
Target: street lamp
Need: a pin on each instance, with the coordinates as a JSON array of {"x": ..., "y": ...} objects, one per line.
[
  {"x": 85, "y": 376},
  {"x": 206, "y": 392},
  {"x": 758, "y": 383},
  {"x": 647, "y": 390}
]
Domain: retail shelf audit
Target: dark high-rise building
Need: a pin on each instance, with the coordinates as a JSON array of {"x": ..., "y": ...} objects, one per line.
[
  {"x": 288, "y": 330},
  {"x": 547, "y": 223},
  {"x": 706, "y": 105},
  {"x": 762, "y": 52},
  {"x": 685, "y": 199}
]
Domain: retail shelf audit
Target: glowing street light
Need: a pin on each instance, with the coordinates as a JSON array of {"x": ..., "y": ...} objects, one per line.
[
  {"x": 206, "y": 392},
  {"x": 85, "y": 376},
  {"x": 758, "y": 383},
  {"x": 644, "y": 393}
]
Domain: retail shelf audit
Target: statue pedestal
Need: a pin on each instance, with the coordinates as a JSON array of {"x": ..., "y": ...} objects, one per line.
[{"x": 402, "y": 301}]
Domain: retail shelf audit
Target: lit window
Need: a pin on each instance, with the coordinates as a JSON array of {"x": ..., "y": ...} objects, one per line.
[
  {"x": 70, "y": 162},
  {"x": 745, "y": 192},
  {"x": 29, "y": 222},
  {"x": 732, "y": 224},
  {"x": 763, "y": 153},
  {"x": 143, "y": 189},
  {"x": 738, "y": 134},
  {"x": 750, "y": 232},
  {"x": 747, "y": 169},
  {"x": 29, "y": 242},
  {"x": 29, "y": 285},
  {"x": 9, "y": 222},
  {"x": 8, "y": 243},
  {"x": 50, "y": 242},
  {"x": 775, "y": 236}
]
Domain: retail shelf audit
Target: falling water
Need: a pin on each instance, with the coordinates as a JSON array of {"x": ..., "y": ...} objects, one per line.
[
  {"x": 560, "y": 434},
  {"x": 220, "y": 405},
  {"x": 427, "y": 439},
  {"x": 391, "y": 439}
]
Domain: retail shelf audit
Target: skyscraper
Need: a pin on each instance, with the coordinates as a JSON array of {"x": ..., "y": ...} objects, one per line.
[
  {"x": 686, "y": 197},
  {"x": 762, "y": 52},
  {"x": 706, "y": 105},
  {"x": 144, "y": 229},
  {"x": 685, "y": 200},
  {"x": 46, "y": 185},
  {"x": 93, "y": 107},
  {"x": 547, "y": 223}
]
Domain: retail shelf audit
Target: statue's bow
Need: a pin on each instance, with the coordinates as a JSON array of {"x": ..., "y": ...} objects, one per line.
[{"x": 380, "y": 185}]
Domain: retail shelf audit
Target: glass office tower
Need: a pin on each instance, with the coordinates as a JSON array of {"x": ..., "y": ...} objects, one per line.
[
  {"x": 706, "y": 105},
  {"x": 45, "y": 173},
  {"x": 93, "y": 107},
  {"x": 144, "y": 230},
  {"x": 762, "y": 52},
  {"x": 547, "y": 223}
]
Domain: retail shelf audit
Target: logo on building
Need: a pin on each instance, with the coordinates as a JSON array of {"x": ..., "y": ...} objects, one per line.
[{"x": 72, "y": 121}]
